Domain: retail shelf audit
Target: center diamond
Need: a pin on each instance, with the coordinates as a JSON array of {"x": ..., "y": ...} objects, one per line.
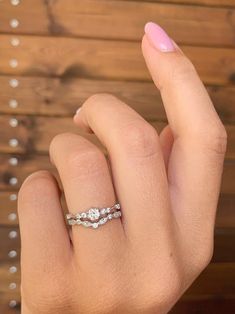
[{"x": 93, "y": 214}]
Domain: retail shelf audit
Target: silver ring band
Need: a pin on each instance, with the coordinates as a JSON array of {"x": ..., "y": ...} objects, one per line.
[{"x": 94, "y": 217}]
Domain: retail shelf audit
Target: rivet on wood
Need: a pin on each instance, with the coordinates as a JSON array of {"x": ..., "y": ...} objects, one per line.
[
  {"x": 12, "y": 254},
  {"x": 13, "y": 181},
  {"x": 13, "y": 103},
  {"x": 12, "y": 234},
  {"x": 14, "y": 83},
  {"x": 13, "y": 161},
  {"x": 15, "y": 2},
  {"x": 13, "y": 142},
  {"x": 13, "y": 63},
  {"x": 12, "y": 285},
  {"x": 13, "y": 197},
  {"x": 13, "y": 122},
  {"x": 14, "y": 23},
  {"x": 12, "y": 216},
  {"x": 15, "y": 41},
  {"x": 12, "y": 303},
  {"x": 12, "y": 269}
]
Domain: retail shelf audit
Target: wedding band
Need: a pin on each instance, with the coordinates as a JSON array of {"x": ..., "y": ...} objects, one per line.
[{"x": 94, "y": 216}]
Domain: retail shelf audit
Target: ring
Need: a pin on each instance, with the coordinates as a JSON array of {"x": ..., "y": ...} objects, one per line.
[{"x": 94, "y": 216}]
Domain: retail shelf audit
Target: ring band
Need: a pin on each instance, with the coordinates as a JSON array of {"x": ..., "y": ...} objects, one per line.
[{"x": 94, "y": 216}]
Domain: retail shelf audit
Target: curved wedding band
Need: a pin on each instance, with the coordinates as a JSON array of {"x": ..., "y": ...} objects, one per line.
[{"x": 94, "y": 216}]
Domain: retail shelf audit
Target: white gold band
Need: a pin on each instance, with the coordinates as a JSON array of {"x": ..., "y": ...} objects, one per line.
[{"x": 94, "y": 217}]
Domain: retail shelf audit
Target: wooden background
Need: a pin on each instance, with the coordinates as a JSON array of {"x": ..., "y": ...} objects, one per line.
[{"x": 54, "y": 54}]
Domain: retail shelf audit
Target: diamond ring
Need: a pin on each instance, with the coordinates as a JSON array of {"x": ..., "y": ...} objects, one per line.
[{"x": 94, "y": 217}]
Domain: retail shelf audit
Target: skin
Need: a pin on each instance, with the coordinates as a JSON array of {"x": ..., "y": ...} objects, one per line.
[{"x": 168, "y": 187}]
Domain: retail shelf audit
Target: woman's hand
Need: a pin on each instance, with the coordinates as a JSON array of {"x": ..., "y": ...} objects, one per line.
[{"x": 167, "y": 185}]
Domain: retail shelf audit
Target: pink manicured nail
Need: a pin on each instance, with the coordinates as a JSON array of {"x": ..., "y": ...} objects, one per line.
[
  {"x": 78, "y": 110},
  {"x": 158, "y": 37}
]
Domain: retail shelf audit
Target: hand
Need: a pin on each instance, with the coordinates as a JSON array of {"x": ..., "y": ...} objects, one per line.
[{"x": 167, "y": 185}]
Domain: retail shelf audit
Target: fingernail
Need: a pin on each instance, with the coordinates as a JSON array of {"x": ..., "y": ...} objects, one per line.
[
  {"x": 158, "y": 37},
  {"x": 78, "y": 110}
]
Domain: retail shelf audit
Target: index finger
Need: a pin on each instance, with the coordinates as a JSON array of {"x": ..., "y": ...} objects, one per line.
[{"x": 196, "y": 160}]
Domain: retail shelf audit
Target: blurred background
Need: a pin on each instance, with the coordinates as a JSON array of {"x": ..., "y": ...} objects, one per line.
[{"x": 56, "y": 53}]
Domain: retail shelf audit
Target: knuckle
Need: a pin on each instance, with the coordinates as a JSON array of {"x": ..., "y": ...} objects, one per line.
[
  {"x": 139, "y": 139},
  {"x": 36, "y": 182},
  {"x": 98, "y": 99},
  {"x": 204, "y": 256},
  {"x": 218, "y": 140},
  {"x": 59, "y": 139}
]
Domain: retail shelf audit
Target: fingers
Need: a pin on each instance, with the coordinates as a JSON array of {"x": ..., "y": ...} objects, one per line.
[
  {"x": 136, "y": 161},
  {"x": 87, "y": 183},
  {"x": 200, "y": 139},
  {"x": 44, "y": 237}
]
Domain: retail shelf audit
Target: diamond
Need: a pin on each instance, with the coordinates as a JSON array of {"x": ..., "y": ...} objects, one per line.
[
  {"x": 103, "y": 211},
  {"x": 102, "y": 221},
  {"x": 71, "y": 222},
  {"x": 108, "y": 209},
  {"x": 83, "y": 215},
  {"x": 95, "y": 225},
  {"x": 93, "y": 214},
  {"x": 117, "y": 206},
  {"x": 110, "y": 216},
  {"x": 86, "y": 223},
  {"x": 116, "y": 214}
]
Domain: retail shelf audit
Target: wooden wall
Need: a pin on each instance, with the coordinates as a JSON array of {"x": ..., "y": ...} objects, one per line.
[{"x": 56, "y": 53}]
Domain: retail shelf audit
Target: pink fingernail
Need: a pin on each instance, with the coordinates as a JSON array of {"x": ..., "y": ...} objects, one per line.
[
  {"x": 78, "y": 110},
  {"x": 158, "y": 37}
]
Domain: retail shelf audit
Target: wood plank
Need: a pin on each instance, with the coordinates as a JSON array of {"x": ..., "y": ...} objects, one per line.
[
  {"x": 35, "y": 133},
  {"x": 70, "y": 57},
  {"x": 53, "y": 96},
  {"x": 216, "y": 305},
  {"x": 217, "y": 279},
  {"x": 197, "y": 25},
  {"x": 225, "y": 213},
  {"x": 216, "y": 3}
]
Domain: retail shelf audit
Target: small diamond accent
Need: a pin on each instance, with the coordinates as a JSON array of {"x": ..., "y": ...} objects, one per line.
[
  {"x": 83, "y": 215},
  {"x": 93, "y": 214},
  {"x": 110, "y": 216},
  {"x": 103, "y": 211},
  {"x": 95, "y": 225},
  {"x": 72, "y": 222}
]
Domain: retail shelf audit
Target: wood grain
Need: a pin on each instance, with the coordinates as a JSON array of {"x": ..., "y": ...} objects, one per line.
[
  {"x": 217, "y": 3},
  {"x": 105, "y": 19},
  {"x": 71, "y": 57},
  {"x": 58, "y": 97},
  {"x": 35, "y": 133}
]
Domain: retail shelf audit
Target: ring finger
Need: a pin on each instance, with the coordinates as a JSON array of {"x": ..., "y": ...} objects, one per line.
[{"x": 87, "y": 183}]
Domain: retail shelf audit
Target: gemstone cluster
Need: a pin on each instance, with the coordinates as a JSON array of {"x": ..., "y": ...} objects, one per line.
[{"x": 94, "y": 217}]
